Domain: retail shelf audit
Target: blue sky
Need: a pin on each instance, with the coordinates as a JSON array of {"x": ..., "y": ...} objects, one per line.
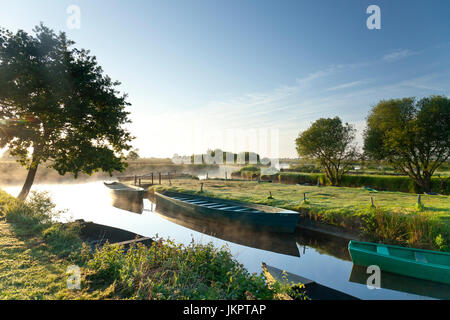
[{"x": 195, "y": 70}]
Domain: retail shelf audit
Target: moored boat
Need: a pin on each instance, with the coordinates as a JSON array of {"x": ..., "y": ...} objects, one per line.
[
  {"x": 299, "y": 284},
  {"x": 259, "y": 217},
  {"x": 416, "y": 263},
  {"x": 126, "y": 197}
]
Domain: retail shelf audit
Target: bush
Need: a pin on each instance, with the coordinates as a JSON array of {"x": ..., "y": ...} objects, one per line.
[{"x": 174, "y": 271}]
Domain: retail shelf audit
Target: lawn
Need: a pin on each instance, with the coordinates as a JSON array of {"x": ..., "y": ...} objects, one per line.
[{"x": 340, "y": 206}]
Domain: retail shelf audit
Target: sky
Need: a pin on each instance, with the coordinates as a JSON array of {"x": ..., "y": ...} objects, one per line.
[{"x": 250, "y": 74}]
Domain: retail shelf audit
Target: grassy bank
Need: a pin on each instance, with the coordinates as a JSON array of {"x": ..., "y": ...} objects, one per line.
[
  {"x": 395, "y": 218},
  {"x": 35, "y": 252}
]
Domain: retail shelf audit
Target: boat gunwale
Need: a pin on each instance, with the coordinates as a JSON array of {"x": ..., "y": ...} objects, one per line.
[
  {"x": 273, "y": 210},
  {"x": 393, "y": 257}
]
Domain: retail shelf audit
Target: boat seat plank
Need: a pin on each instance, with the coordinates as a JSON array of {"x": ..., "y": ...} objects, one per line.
[
  {"x": 420, "y": 257},
  {"x": 383, "y": 250}
]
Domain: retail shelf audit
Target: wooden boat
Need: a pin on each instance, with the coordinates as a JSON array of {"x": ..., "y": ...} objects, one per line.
[
  {"x": 312, "y": 289},
  {"x": 416, "y": 263},
  {"x": 283, "y": 243},
  {"x": 259, "y": 217},
  {"x": 126, "y": 197}
]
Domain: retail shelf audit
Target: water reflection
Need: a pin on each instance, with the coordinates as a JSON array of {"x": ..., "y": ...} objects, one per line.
[
  {"x": 403, "y": 283},
  {"x": 275, "y": 242}
]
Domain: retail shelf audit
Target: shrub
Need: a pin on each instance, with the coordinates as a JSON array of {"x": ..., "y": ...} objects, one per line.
[{"x": 167, "y": 270}]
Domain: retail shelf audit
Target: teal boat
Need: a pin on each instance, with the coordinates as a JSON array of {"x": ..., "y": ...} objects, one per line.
[
  {"x": 240, "y": 214},
  {"x": 416, "y": 263}
]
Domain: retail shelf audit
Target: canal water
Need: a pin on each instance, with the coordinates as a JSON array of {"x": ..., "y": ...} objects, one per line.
[{"x": 321, "y": 258}]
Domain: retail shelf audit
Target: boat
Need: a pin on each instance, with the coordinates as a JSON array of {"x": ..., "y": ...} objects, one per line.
[
  {"x": 255, "y": 216},
  {"x": 283, "y": 243},
  {"x": 416, "y": 263},
  {"x": 310, "y": 288},
  {"x": 125, "y": 197}
]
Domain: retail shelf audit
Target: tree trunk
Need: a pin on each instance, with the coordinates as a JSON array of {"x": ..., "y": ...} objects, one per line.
[{"x": 30, "y": 177}]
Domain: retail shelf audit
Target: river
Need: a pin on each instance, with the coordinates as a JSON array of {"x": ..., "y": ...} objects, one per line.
[{"x": 315, "y": 256}]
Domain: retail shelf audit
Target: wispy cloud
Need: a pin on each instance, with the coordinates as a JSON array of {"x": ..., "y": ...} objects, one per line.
[
  {"x": 397, "y": 55},
  {"x": 347, "y": 85}
]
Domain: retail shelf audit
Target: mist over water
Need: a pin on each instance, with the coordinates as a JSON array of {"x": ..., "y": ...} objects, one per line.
[{"x": 311, "y": 259}]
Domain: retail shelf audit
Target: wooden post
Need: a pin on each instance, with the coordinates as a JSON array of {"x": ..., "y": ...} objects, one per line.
[
  {"x": 139, "y": 182},
  {"x": 159, "y": 173},
  {"x": 201, "y": 187},
  {"x": 170, "y": 182},
  {"x": 152, "y": 178},
  {"x": 135, "y": 178},
  {"x": 304, "y": 196},
  {"x": 225, "y": 175},
  {"x": 206, "y": 174},
  {"x": 418, "y": 200},
  {"x": 371, "y": 202}
]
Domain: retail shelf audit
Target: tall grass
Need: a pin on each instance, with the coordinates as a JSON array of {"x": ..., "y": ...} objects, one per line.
[{"x": 415, "y": 230}]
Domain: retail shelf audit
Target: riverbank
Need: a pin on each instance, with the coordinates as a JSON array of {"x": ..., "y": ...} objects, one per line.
[
  {"x": 35, "y": 253},
  {"x": 394, "y": 217}
]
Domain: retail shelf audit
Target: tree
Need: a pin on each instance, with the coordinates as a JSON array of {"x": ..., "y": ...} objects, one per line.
[
  {"x": 133, "y": 155},
  {"x": 413, "y": 136},
  {"x": 329, "y": 142},
  {"x": 57, "y": 107}
]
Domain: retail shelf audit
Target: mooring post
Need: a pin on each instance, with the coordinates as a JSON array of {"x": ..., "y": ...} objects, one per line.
[{"x": 201, "y": 187}]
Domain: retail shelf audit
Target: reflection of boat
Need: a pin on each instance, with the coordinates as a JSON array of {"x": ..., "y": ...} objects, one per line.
[
  {"x": 313, "y": 290},
  {"x": 402, "y": 283},
  {"x": 416, "y": 263},
  {"x": 323, "y": 243},
  {"x": 126, "y": 197},
  {"x": 276, "y": 242},
  {"x": 256, "y": 216}
]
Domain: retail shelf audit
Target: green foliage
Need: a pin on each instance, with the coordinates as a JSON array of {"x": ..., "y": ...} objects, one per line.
[
  {"x": 414, "y": 136},
  {"x": 330, "y": 143},
  {"x": 417, "y": 230},
  {"x": 57, "y": 102},
  {"x": 167, "y": 270}
]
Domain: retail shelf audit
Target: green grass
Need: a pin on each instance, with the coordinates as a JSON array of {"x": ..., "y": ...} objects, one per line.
[
  {"x": 348, "y": 208},
  {"x": 35, "y": 252}
]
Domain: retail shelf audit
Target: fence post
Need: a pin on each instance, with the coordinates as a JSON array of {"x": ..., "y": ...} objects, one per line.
[{"x": 159, "y": 173}]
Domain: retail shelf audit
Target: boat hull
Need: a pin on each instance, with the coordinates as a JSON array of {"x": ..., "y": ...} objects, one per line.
[
  {"x": 277, "y": 220},
  {"x": 416, "y": 263},
  {"x": 127, "y": 198}
]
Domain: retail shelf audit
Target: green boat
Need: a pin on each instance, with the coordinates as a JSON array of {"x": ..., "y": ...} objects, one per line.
[{"x": 416, "y": 263}]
